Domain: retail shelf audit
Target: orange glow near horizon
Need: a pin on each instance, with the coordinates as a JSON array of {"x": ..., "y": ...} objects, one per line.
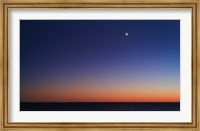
[{"x": 103, "y": 94}]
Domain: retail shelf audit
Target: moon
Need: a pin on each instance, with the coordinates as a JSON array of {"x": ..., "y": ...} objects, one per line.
[{"x": 126, "y": 34}]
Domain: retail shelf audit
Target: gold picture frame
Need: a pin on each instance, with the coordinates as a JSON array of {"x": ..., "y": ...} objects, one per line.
[{"x": 193, "y": 4}]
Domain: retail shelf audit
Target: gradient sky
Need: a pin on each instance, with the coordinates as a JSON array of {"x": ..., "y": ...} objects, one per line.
[{"x": 94, "y": 61}]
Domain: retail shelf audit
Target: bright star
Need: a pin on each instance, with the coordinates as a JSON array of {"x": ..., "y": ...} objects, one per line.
[{"x": 126, "y": 34}]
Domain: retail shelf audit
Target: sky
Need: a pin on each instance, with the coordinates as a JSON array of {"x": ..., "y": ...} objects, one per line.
[{"x": 99, "y": 60}]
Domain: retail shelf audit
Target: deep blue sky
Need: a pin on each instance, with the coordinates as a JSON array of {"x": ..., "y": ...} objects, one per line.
[{"x": 96, "y": 51}]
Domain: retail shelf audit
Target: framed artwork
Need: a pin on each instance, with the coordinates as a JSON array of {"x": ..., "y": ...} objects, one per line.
[{"x": 99, "y": 65}]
